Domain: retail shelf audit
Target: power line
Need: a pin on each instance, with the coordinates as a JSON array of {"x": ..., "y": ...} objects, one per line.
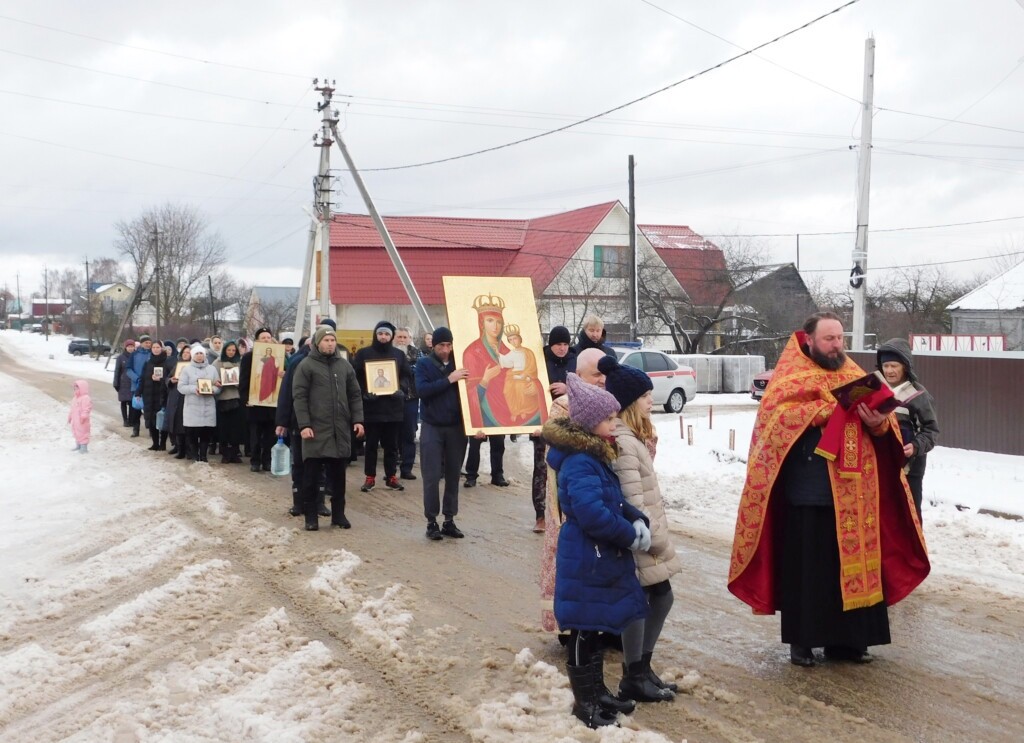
[
  {"x": 471, "y": 222},
  {"x": 144, "y": 113},
  {"x": 620, "y": 106},
  {"x": 518, "y": 250},
  {"x": 950, "y": 121},
  {"x": 763, "y": 59},
  {"x": 143, "y": 80},
  {"x": 138, "y": 161},
  {"x": 153, "y": 51},
  {"x": 916, "y": 265}
]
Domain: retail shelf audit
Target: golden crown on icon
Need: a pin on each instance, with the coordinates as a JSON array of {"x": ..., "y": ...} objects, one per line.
[
  {"x": 488, "y": 303},
  {"x": 512, "y": 329}
]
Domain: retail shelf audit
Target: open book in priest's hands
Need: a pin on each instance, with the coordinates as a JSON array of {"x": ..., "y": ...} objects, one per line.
[{"x": 870, "y": 390}]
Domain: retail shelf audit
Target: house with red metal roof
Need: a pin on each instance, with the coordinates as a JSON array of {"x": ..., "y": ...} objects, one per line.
[{"x": 577, "y": 261}]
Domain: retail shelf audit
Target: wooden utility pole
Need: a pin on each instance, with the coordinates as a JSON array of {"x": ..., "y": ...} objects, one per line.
[
  {"x": 88, "y": 303},
  {"x": 633, "y": 293},
  {"x": 213, "y": 313},
  {"x": 156, "y": 256},
  {"x": 858, "y": 276}
]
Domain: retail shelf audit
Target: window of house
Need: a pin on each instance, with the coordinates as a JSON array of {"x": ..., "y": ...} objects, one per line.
[{"x": 611, "y": 261}]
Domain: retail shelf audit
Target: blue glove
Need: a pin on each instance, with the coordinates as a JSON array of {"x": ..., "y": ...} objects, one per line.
[{"x": 642, "y": 543}]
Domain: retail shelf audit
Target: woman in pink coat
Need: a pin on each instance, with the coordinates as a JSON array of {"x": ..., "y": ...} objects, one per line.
[{"x": 80, "y": 416}]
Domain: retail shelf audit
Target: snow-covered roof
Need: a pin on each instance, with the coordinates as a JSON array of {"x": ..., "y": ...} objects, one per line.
[{"x": 1003, "y": 292}]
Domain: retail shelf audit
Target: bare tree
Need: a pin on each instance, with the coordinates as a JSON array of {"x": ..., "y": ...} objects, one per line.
[
  {"x": 107, "y": 271},
  {"x": 576, "y": 293},
  {"x": 188, "y": 253},
  {"x": 713, "y": 283}
]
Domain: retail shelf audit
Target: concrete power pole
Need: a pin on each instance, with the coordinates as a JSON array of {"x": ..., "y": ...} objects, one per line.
[
  {"x": 323, "y": 194},
  {"x": 858, "y": 276}
]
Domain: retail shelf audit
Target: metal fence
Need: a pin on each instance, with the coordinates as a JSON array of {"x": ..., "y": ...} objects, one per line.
[{"x": 979, "y": 399}]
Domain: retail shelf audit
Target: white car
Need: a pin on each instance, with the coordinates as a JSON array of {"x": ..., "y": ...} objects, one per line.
[{"x": 674, "y": 384}]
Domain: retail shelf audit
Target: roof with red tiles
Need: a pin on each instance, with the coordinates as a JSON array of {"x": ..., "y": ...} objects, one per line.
[
  {"x": 432, "y": 247},
  {"x": 695, "y": 262}
]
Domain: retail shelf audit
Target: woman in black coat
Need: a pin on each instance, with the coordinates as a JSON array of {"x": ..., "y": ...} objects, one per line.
[
  {"x": 173, "y": 419},
  {"x": 154, "y": 395}
]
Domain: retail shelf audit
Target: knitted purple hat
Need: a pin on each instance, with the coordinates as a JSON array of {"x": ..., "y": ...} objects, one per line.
[{"x": 588, "y": 405}]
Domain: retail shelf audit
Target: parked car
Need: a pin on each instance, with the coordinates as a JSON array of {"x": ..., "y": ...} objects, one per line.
[
  {"x": 79, "y": 346},
  {"x": 674, "y": 384},
  {"x": 760, "y": 383}
]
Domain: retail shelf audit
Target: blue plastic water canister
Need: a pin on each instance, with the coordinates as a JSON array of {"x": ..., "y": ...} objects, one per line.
[
  {"x": 160, "y": 415},
  {"x": 280, "y": 458}
]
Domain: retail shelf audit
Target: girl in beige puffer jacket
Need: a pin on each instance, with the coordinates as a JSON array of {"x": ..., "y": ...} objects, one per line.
[{"x": 637, "y": 442}]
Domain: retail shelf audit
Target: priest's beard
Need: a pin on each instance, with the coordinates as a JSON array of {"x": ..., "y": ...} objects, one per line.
[{"x": 832, "y": 363}]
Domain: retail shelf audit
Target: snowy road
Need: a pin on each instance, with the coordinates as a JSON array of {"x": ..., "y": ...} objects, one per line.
[{"x": 157, "y": 601}]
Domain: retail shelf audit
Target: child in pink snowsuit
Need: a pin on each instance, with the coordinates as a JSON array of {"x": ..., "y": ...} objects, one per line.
[{"x": 79, "y": 416}]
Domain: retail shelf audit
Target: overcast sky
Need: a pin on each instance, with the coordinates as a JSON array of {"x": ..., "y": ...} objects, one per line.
[{"x": 108, "y": 109}]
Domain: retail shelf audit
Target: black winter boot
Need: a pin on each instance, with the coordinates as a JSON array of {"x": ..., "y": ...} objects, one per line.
[
  {"x": 296, "y": 509},
  {"x": 608, "y": 701},
  {"x": 338, "y": 509},
  {"x": 636, "y": 685},
  {"x": 155, "y": 436},
  {"x": 653, "y": 677},
  {"x": 162, "y": 445},
  {"x": 321, "y": 507},
  {"x": 584, "y": 691},
  {"x": 182, "y": 447}
]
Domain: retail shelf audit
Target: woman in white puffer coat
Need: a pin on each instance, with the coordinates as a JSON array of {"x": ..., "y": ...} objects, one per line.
[
  {"x": 637, "y": 441},
  {"x": 199, "y": 416}
]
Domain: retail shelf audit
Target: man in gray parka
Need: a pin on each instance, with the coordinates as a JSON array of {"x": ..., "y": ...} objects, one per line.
[{"x": 328, "y": 409}]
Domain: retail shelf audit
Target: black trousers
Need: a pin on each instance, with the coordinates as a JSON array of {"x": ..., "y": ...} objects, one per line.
[
  {"x": 808, "y": 577},
  {"x": 387, "y": 436},
  {"x": 135, "y": 418},
  {"x": 311, "y": 471},
  {"x": 199, "y": 438},
  {"x": 497, "y": 446},
  {"x": 916, "y": 483},
  {"x": 126, "y": 409},
  {"x": 539, "y": 483},
  {"x": 261, "y": 439},
  {"x": 408, "y": 435},
  {"x": 441, "y": 451}
]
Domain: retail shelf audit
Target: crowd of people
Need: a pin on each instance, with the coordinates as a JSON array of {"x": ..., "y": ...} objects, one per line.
[{"x": 828, "y": 530}]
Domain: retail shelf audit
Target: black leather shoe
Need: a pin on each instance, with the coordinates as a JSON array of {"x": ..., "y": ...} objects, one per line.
[
  {"x": 293, "y": 511},
  {"x": 500, "y": 481},
  {"x": 433, "y": 532},
  {"x": 312, "y": 524},
  {"x": 408, "y": 476},
  {"x": 853, "y": 655},
  {"x": 341, "y": 522},
  {"x": 266, "y": 467},
  {"x": 470, "y": 482},
  {"x": 323, "y": 511},
  {"x": 801, "y": 656},
  {"x": 449, "y": 529}
]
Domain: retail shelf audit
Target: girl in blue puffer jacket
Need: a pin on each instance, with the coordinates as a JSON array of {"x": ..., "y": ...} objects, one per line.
[{"x": 596, "y": 587}]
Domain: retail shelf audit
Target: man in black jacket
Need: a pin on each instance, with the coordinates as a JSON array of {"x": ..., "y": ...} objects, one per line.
[
  {"x": 383, "y": 413},
  {"x": 328, "y": 407},
  {"x": 443, "y": 438}
]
